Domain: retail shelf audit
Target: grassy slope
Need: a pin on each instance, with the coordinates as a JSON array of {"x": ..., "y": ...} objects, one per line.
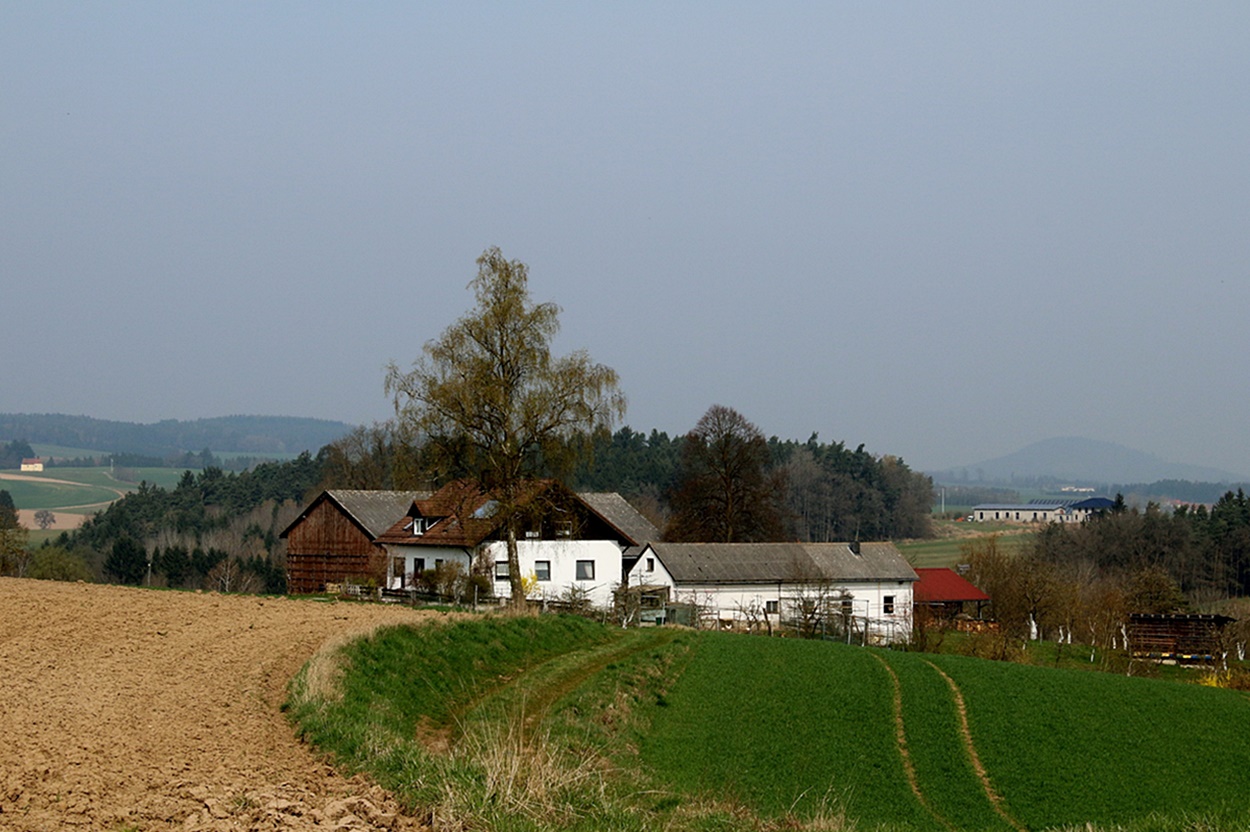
[
  {"x": 94, "y": 486},
  {"x": 783, "y": 729},
  {"x": 783, "y": 726},
  {"x": 945, "y": 551},
  {"x": 1067, "y": 747}
]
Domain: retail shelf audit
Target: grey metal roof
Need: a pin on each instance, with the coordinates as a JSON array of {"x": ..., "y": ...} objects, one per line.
[
  {"x": 616, "y": 510},
  {"x": 376, "y": 511},
  {"x": 732, "y": 563},
  {"x": 1018, "y": 506}
]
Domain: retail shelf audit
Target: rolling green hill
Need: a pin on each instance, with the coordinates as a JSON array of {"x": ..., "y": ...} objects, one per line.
[{"x": 604, "y": 729}]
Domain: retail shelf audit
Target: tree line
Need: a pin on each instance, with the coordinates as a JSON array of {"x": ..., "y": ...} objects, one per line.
[{"x": 1081, "y": 582}]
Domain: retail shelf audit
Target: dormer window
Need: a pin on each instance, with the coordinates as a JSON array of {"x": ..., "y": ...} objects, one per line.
[{"x": 419, "y": 525}]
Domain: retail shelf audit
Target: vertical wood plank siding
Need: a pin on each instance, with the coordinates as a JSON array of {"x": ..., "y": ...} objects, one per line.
[{"x": 327, "y": 547}]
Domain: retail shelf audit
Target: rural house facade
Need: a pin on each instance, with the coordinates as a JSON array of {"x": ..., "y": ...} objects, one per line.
[
  {"x": 865, "y": 585},
  {"x": 570, "y": 545}
]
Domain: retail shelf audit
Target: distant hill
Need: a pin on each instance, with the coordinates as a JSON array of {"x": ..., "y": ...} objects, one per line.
[
  {"x": 1080, "y": 460},
  {"x": 224, "y": 434}
]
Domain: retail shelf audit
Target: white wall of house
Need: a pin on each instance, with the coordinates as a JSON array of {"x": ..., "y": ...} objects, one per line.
[
  {"x": 1031, "y": 514},
  {"x": 590, "y": 566},
  {"x": 886, "y": 606},
  {"x": 404, "y": 563}
]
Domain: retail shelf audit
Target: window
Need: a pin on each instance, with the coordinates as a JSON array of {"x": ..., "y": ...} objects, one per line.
[
  {"x": 888, "y": 604},
  {"x": 542, "y": 570},
  {"x": 770, "y": 607},
  {"x": 501, "y": 570},
  {"x": 419, "y": 526},
  {"x": 397, "y": 571},
  {"x": 564, "y": 528},
  {"x": 650, "y": 564},
  {"x": 585, "y": 570},
  {"x": 418, "y": 565}
]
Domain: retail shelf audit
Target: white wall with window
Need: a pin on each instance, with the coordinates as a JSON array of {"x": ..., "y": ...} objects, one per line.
[
  {"x": 885, "y": 606},
  {"x": 406, "y": 563},
  {"x": 592, "y": 567}
]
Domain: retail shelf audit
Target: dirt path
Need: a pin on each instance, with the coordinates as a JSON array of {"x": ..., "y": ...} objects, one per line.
[
  {"x": 900, "y": 739},
  {"x": 133, "y": 710},
  {"x": 970, "y": 749}
]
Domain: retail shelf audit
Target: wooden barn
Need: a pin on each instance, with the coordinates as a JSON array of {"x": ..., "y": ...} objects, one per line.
[
  {"x": 335, "y": 538},
  {"x": 1183, "y": 639}
]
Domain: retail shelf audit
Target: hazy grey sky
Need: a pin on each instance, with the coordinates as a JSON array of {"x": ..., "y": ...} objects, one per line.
[{"x": 944, "y": 230}]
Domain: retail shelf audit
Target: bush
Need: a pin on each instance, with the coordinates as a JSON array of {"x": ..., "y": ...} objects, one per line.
[{"x": 55, "y": 563}]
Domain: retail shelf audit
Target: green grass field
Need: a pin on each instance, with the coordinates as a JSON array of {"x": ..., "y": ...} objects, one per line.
[
  {"x": 82, "y": 487},
  {"x": 946, "y": 551},
  {"x": 543, "y": 724}
]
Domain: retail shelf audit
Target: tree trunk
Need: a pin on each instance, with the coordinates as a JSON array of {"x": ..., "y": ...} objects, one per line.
[{"x": 514, "y": 568}]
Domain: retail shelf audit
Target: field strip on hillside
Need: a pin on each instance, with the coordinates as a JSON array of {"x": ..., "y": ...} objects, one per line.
[
  {"x": 535, "y": 707},
  {"x": 900, "y": 735},
  {"x": 534, "y": 692},
  {"x": 542, "y": 685},
  {"x": 961, "y": 708}
]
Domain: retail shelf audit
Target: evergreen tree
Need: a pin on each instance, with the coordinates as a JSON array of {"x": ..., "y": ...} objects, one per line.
[{"x": 127, "y": 562}]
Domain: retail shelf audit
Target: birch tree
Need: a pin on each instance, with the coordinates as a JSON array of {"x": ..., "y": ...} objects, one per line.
[{"x": 488, "y": 399}]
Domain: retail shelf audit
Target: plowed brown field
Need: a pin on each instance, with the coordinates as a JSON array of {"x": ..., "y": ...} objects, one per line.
[{"x": 127, "y": 709}]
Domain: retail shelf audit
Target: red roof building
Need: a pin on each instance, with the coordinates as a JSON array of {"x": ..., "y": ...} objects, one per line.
[{"x": 944, "y": 593}]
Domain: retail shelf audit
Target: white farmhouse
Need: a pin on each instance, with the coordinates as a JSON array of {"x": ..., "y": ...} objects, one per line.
[
  {"x": 736, "y": 583},
  {"x": 570, "y": 545}
]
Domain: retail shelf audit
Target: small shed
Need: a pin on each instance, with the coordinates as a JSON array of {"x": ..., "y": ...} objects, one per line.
[
  {"x": 1176, "y": 638},
  {"x": 944, "y": 595}
]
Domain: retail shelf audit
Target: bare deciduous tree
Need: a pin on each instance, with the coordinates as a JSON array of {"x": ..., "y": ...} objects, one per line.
[{"x": 726, "y": 492}]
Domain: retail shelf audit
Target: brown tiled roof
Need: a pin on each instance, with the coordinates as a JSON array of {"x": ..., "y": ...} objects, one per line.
[{"x": 463, "y": 514}]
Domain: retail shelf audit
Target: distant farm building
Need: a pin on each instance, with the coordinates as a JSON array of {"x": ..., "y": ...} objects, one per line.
[
  {"x": 1041, "y": 511},
  {"x": 34, "y": 465}
]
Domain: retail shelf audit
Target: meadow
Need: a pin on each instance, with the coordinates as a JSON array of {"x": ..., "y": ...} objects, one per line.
[
  {"x": 946, "y": 549},
  {"x": 539, "y": 724},
  {"x": 78, "y": 487}
]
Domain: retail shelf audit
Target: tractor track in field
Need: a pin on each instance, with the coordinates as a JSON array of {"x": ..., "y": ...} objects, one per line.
[
  {"x": 535, "y": 708},
  {"x": 900, "y": 737},
  {"x": 965, "y": 730},
  {"x": 969, "y": 747},
  {"x": 442, "y": 735}
]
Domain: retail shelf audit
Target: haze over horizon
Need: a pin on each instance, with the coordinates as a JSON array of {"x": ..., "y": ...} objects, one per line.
[{"x": 945, "y": 232}]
